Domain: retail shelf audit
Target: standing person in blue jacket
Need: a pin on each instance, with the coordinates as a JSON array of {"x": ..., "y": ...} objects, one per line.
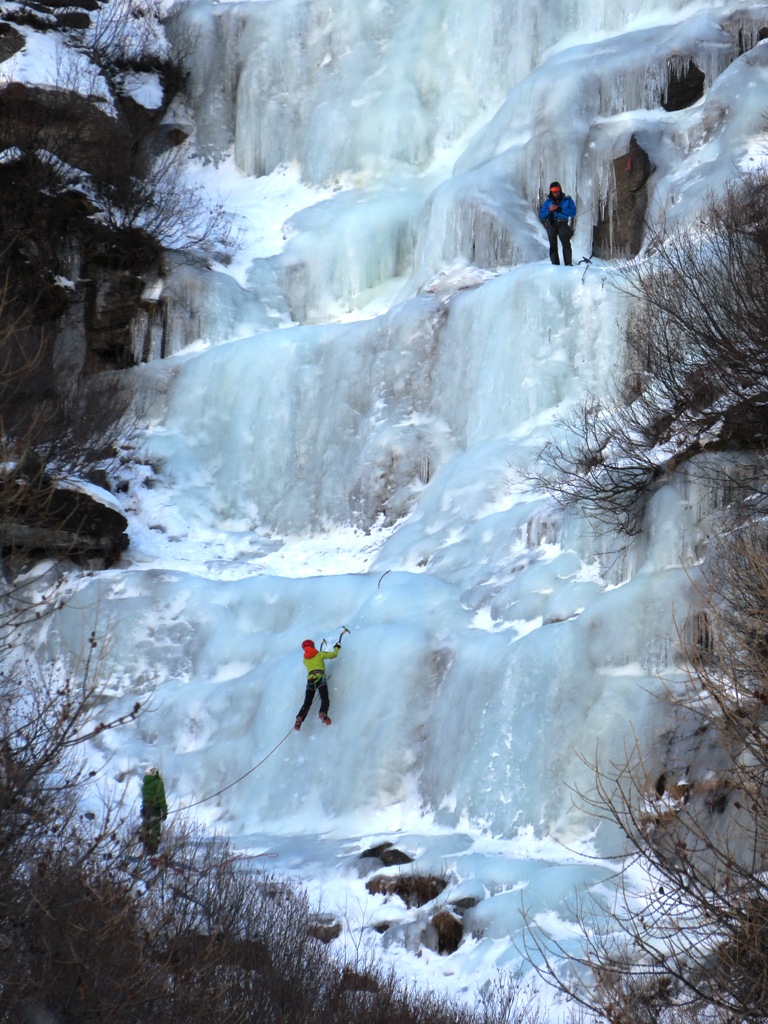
[{"x": 556, "y": 214}]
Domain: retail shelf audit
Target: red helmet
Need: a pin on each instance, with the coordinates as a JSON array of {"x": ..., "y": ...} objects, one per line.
[{"x": 308, "y": 643}]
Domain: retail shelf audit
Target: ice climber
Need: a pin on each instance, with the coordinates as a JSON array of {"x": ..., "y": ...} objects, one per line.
[
  {"x": 556, "y": 214},
  {"x": 154, "y": 809},
  {"x": 314, "y": 663}
]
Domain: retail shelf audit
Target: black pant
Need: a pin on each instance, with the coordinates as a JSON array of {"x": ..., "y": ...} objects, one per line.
[
  {"x": 317, "y": 685},
  {"x": 559, "y": 229},
  {"x": 150, "y": 829}
]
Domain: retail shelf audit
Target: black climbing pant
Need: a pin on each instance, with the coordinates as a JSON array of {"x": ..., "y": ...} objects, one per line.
[
  {"x": 559, "y": 229},
  {"x": 318, "y": 684},
  {"x": 150, "y": 829}
]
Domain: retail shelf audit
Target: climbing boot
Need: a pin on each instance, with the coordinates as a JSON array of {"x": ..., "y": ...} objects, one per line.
[{"x": 324, "y": 718}]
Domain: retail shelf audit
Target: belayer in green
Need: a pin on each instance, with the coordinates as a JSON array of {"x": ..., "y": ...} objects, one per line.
[
  {"x": 154, "y": 809},
  {"x": 314, "y": 663}
]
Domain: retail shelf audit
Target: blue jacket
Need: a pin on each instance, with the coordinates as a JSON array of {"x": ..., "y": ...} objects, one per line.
[{"x": 567, "y": 209}]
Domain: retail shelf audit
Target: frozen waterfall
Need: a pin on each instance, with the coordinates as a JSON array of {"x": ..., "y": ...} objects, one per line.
[{"x": 342, "y": 436}]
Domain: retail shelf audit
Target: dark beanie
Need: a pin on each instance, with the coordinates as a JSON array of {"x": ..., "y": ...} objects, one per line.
[{"x": 555, "y": 184}]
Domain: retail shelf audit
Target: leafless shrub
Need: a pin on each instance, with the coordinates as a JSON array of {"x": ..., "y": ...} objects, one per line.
[
  {"x": 125, "y": 32},
  {"x": 588, "y": 467},
  {"x": 507, "y": 1000},
  {"x": 686, "y": 938},
  {"x": 158, "y": 202}
]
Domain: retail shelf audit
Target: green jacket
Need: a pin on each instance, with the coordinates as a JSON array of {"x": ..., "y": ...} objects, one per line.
[
  {"x": 314, "y": 665},
  {"x": 153, "y": 796}
]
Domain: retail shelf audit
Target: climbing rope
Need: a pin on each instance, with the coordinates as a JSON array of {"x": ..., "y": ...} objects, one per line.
[
  {"x": 231, "y": 784},
  {"x": 266, "y": 757}
]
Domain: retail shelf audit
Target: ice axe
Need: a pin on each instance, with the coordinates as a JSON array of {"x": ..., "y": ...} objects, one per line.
[{"x": 341, "y": 634}]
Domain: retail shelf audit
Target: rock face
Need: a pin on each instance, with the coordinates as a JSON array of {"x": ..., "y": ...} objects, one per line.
[
  {"x": 74, "y": 127},
  {"x": 11, "y": 41},
  {"x": 415, "y": 890},
  {"x": 449, "y": 931},
  {"x": 76, "y": 174},
  {"x": 42, "y": 519},
  {"x": 387, "y": 854},
  {"x": 325, "y": 927},
  {"x": 619, "y": 231},
  {"x": 77, "y": 256},
  {"x": 686, "y": 86},
  {"x": 72, "y": 269}
]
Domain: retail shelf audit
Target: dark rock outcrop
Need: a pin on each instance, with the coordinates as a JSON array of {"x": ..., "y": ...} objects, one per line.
[
  {"x": 619, "y": 232},
  {"x": 76, "y": 128},
  {"x": 11, "y": 41},
  {"x": 357, "y": 981},
  {"x": 686, "y": 87},
  {"x": 415, "y": 890},
  {"x": 387, "y": 854},
  {"x": 325, "y": 927},
  {"x": 450, "y": 932},
  {"x": 76, "y": 259},
  {"x": 40, "y": 519},
  {"x": 76, "y": 256}
]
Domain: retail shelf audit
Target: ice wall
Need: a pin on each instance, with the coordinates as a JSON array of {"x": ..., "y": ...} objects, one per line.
[
  {"x": 345, "y": 86},
  {"x": 486, "y": 613},
  {"x": 447, "y": 148},
  {"x": 317, "y": 426},
  {"x": 421, "y": 421}
]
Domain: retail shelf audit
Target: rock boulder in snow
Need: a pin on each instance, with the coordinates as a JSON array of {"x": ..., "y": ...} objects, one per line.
[
  {"x": 448, "y": 931},
  {"x": 415, "y": 890},
  {"x": 39, "y": 519}
]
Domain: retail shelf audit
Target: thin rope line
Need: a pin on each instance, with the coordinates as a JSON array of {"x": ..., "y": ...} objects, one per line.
[{"x": 231, "y": 784}]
